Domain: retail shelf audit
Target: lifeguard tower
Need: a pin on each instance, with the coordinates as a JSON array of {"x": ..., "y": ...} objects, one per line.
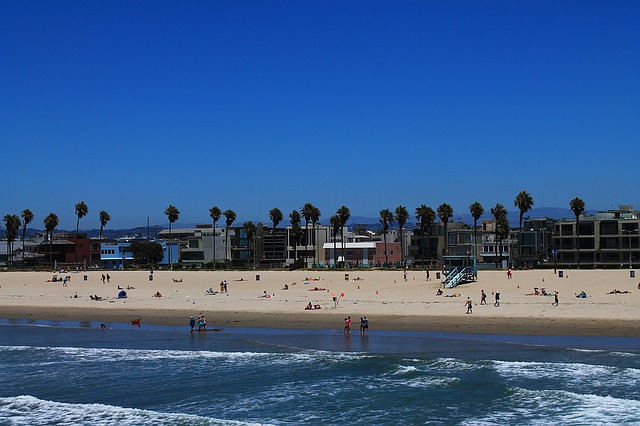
[{"x": 458, "y": 270}]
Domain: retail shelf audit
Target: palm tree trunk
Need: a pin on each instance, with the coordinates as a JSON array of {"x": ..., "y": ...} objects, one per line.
[{"x": 386, "y": 258}]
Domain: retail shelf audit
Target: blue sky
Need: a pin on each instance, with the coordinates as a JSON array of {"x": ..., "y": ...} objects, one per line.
[{"x": 132, "y": 106}]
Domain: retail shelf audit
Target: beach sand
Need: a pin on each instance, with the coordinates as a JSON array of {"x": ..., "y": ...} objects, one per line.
[{"x": 390, "y": 302}]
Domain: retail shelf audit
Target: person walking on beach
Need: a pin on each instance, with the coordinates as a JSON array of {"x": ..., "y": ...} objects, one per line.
[
  {"x": 108, "y": 278},
  {"x": 347, "y": 325},
  {"x": 497, "y": 304},
  {"x": 555, "y": 298},
  {"x": 483, "y": 297},
  {"x": 225, "y": 284},
  {"x": 103, "y": 278},
  {"x": 404, "y": 275},
  {"x": 469, "y": 304},
  {"x": 192, "y": 323}
]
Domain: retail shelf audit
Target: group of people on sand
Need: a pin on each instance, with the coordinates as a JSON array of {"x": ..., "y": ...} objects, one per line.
[
  {"x": 224, "y": 286},
  {"x": 616, "y": 291},
  {"x": 483, "y": 301},
  {"x": 364, "y": 325},
  {"x": 312, "y": 307},
  {"x": 201, "y": 323}
]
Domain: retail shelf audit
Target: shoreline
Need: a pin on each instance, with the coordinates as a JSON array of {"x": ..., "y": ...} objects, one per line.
[{"x": 449, "y": 324}]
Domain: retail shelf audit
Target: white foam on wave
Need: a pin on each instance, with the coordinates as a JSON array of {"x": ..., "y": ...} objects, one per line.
[
  {"x": 28, "y": 410},
  {"x": 572, "y": 372}
]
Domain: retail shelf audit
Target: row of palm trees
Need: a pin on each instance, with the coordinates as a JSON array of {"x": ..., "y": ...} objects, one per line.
[{"x": 310, "y": 213}]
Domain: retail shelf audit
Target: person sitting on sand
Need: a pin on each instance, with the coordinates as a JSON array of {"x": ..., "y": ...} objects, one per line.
[
  {"x": 286, "y": 287},
  {"x": 317, "y": 289},
  {"x": 581, "y": 295},
  {"x": 265, "y": 295},
  {"x": 135, "y": 322},
  {"x": 439, "y": 292},
  {"x": 177, "y": 281},
  {"x": 308, "y": 307},
  {"x": 158, "y": 294}
]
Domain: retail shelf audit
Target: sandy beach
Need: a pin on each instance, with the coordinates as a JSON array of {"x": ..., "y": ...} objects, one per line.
[{"x": 385, "y": 297}]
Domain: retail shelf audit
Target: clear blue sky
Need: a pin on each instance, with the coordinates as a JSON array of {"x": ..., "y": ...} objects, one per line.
[{"x": 134, "y": 105}]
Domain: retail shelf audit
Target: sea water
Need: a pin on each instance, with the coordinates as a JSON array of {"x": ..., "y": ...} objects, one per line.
[{"x": 75, "y": 373}]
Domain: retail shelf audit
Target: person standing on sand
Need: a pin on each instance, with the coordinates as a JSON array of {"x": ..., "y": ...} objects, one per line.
[
  {"x": 108, "y": 278},
  {"x": 404, "y": 275},
  {"x": 469, "y": 304},
  {"x": 226, "y": 285},
  {"x": 497, "y": 304},
  {"x": 555, "y": 298},
  {"x": 428, "y": 278},
  {"x": 483, "y": 297},
  {"x": 192, "y": 323}
]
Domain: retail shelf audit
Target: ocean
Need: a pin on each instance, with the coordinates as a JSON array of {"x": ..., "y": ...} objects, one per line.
[{"x": 75, "y": 373}]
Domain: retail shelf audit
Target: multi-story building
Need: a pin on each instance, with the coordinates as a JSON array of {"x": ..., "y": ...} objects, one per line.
[{"x": 608, "y": 239}]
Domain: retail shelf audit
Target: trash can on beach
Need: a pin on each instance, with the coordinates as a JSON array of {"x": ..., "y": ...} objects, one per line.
[
  {"x": 257, "y": 277},
  {"x": 86, "y": 278},
  {"x": 560, "y": 274},
  {"x": 632, "y": 274},
  {"x": 150, "y": 277},
  {"x": 346, "y": 277},
  {"x": 437, "y": 275}
]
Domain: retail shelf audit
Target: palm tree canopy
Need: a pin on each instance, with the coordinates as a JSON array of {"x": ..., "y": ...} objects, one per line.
[
  {"x": 215, "y": 213},
  {"x": 315, "y": 215},
  {"x": 27, "y": 216},
  {"x": 336, "y": 224},
  {"x": 81, "y": 210},
  {"x": 104, "y": 218},
  {"x": 445, "y": 212},
  {"x": 295, "y": 217},
  {"x": 476, "y": 210},
  {"x": 12, "y": 223},
  {"x": 276, "y": 216},
  {"x": 577, "y": 206},
  {"x": 307, "y": 211},
  {"x": 386, "y": 218},
  {"x": 402, "y": 215},
  {"x": 344, "y": 214},
  {"x": 230, "y": 215},
  {"x": 172, "y": 213},
  {"x": 50, "y": 222},
  {"x": 498, "y": 211},
  {"x": 250, "y": 227},
  {"x": 524, "y": 202}
]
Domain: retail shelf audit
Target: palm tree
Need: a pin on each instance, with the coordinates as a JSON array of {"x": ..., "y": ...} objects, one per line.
[
  {"x": 215, "y": 213},
  {"x": 315, "y": 217},
  {"x": 81, "y": 211},
  {"x": 230, "y": 216},
  {"x": 498, "y": 212},
  {"x": 27, "y": 217},
  {"x": 104, "y": 219},
  {"x": 402, "y": 215},
  {"x": 173, "y": 214},
  {"x": 426, "y": 216},
  {"x": 307, "y": 212},
  {"x": 276, "y": 217},
  {"x": 295, "y": 231},
  {"x": 577, "y": 207},
  {"x": 50, "y": 223},
  {"x": 250, "y": 228},
  {"x": 344, "y": 214},
  {"x": 524, "y": 202},
  {"x": 445, "y": 212},
  {"x": 502, "y": 230},
  {"x": 336, "y": 225},
  {"x": 476, "y": 211},
  {"x": 12, "y": 223},
  {"x": 386, "y": 218}
]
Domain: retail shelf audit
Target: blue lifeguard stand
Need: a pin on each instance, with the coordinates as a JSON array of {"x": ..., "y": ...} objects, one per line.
[{"x": 459, "y": 270}]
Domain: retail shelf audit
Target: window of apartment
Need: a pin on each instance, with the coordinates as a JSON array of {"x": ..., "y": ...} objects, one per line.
[
  {"x": 193, "y": 244},
  {"x": 586, "y": 228},
  {"x": 391, "y": 253},
  {"x": 566, "y": 229},
  {"x": 608, "y": 227},
  {"x": 587, "y": 243}
]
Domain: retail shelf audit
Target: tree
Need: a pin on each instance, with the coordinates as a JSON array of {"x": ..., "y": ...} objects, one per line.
[
  {"x": 173, "y": 214},
  {"x": 577, "y": 207},
  {"x": 386, "y": 218},
  {"x": 502, "y": 230},
  {"x": 476, "y": 211},
  {"x": 12, "y": 223},
  {"x": 344, "y": 214},
  {"x": 81, "y": 211},
  {"x": 335, "y": 229},
  {"x": 445, "y": 212},
  {"x": 215, "y": 213},
  {"x": 276, "y": 217},
  {"x": 230, "y": 217},
  {"x": 523, "y": 202},
  {"x": 50, "y": 223},
  {"x": 307, "y": 212},
  {"x": 426, "y": 216},
  {"x": 498, "y": 212},
  {"x": 104, "y": 219},
  {"x": 315, "y": 217},
  {"x": 296, "y": 231},
  {"x": 402, "y": 215},
  {"x": 146, "y": 252},
  {"x": 27, "y": 218}
]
